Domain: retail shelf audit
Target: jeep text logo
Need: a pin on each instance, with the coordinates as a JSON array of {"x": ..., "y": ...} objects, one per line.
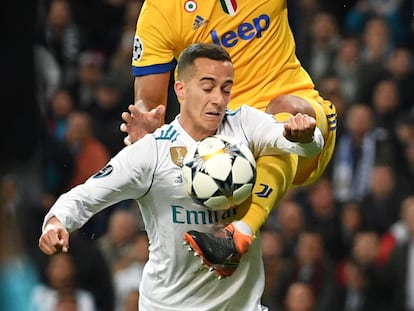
[{"x": 245, "y": 31}]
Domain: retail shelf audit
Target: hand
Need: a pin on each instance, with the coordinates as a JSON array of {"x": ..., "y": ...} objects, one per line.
[
  {"x": 55, "y": 238},
  {"x": 300, "y": 128},
  {"x": 140, "y": 122}
]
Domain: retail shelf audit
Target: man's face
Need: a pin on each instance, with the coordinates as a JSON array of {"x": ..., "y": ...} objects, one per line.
[{"x": 204, "y": 93}]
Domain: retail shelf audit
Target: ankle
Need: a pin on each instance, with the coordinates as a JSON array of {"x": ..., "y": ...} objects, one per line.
[{"x": 242, "y": 236}]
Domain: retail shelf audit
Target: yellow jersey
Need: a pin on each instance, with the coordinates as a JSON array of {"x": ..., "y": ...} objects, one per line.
[{"x": 248, "y": 30}]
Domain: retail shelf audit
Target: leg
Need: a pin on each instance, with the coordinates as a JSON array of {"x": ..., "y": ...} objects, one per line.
[
  {"x": 291, "y": 104},
  {"x": 275, "y": 175},
  {"x": 309, "y": 102},
  {"x": 221, "y": 252}
]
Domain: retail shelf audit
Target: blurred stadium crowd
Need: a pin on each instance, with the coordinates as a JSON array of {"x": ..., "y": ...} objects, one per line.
[{"x": 344, "y": 243}]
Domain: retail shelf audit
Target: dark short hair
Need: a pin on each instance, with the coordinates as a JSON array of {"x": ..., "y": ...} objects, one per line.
[{"x": 200, "y": 50}]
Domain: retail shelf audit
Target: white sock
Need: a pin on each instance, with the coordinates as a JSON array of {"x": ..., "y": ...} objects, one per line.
[{"x": 243, "y": 227}]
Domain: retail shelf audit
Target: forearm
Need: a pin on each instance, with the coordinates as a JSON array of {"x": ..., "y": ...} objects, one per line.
[
  {"x": 270, "y": 136},
  {"x": 152, "y": 90},
  {"x": 310, "y": 149},
  {"x": 72, "y": 214},
  {"x": 276, "y": 144}
]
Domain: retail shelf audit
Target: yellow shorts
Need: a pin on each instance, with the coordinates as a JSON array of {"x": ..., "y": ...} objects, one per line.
[{"x": 310, "y": 169}]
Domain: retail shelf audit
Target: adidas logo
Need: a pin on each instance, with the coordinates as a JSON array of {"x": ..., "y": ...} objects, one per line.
[{"x": 198, "y": 22}]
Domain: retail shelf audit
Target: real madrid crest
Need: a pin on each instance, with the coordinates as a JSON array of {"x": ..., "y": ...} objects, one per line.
[{"x": 177, "y": 155}]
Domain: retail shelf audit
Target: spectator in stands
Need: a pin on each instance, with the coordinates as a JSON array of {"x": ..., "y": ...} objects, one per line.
[
  {"x": 357, "y": 292},
  {"x": 62, "y": 37},
  {"x": 399, "y": 277},
  {"x": 92, "y": 272},
  {"x": 18, "y": 273},
  {"x": 351, "y": 224},
  {"x": 105, "y": 110},
  {"x": 376, "y": 46},
  {"x": 290, "y": 223},
  {"x": 386, "y": 104},
  {"x": 120, "y": 61},
  {"x": 89, "y": 71},
  {"x": 90, "y": 155},
  {"x": 365, "y": 249},
  {"x": 48, "y": 76},
  {"x": 324, "y": 217},
  {"x": 119, "y": 236},
  {"x": 400, "y": 68},
  {"x": 57, "y": 159},
  {"x": 331, "y": 86},
  {"x": 355, "y": 155},
  {"x": 271, "y": 243},
  {"x": 310, "y": 265},
  {"x": 127, "y": 271},
  {"x": 323, "y": 46},
  {"x": 346, "y": 67},
  {"x": 391, "y": 11},
  {"x": 381, "y": 207},
  {"x": 61, "y": 284},
  {"x": 300, "y": 297}
]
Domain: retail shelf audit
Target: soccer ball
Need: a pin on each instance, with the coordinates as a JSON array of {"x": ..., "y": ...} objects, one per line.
[{"x": 219, "y": 172}]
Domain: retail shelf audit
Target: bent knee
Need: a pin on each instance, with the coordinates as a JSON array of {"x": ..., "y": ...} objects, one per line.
[{"x": 291, "y": 104}]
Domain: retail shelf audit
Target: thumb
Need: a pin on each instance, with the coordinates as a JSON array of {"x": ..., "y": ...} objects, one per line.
[{"x": 159, "y": 110}]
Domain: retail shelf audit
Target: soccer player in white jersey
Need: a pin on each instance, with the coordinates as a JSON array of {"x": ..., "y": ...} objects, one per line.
[
  {"x": 269, "y": 77},
  {"x": 147, "y": 172}
]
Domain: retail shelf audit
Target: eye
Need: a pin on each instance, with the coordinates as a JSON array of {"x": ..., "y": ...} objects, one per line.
[
  {"x": 227, "y": 89},
  {"x": 207, "y": 86}
]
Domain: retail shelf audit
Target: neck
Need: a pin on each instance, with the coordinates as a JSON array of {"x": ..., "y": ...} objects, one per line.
[{"x": 196, "y": 132}]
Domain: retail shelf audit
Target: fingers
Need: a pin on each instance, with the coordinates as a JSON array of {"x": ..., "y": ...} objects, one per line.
[
  {"x": 301, "y": 122},
  {"x": 137, "y": 108},
  {"x": 127, "y": 141},
  {"x": 300, "y": 128},
  {"x": 137, "y": 123},
  {"x": 54, "y": 240},
  {"x": 127, "y": 117},
  {"x": 64, "y": 240},
  {"x": 123, "y": 127}
]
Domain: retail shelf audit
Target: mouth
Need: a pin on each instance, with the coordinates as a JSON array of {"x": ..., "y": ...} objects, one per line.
[
  {"x": 214, "y": 116},
  {"x": 213, "y": 113}
]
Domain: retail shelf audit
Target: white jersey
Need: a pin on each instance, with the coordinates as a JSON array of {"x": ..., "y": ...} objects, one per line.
[{"x": 147, "y": 172}]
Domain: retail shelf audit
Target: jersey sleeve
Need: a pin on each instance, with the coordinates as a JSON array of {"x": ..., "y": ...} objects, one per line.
[
  {"x": 267, "y": 137},
  {"x": 126, "y": 176},
  {"x": 154, "y": 42}
]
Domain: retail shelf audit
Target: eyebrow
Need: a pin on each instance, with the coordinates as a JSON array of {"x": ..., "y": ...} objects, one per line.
[{"x": 229, "y": 81}]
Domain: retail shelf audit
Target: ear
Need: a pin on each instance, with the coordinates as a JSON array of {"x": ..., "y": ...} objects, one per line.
[{"x": 179, "y": 87}]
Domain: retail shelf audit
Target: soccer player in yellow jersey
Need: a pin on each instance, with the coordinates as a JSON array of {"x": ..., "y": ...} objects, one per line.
[{"x": 268, "y": 76}]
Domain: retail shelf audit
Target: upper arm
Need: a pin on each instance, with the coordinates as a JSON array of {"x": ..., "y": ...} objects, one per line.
[{"x": 152, "y": 89}]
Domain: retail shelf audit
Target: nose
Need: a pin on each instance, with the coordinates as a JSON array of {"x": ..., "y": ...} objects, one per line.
[{"x": 217, "y": 97}]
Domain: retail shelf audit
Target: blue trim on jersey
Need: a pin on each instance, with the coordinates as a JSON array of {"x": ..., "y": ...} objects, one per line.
[
  {"x": 332, "y": 121},
  {"x": 153, "y": 69},
  {"x": 232, "y": 112},
  {"x": 169, "y": 134}
]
